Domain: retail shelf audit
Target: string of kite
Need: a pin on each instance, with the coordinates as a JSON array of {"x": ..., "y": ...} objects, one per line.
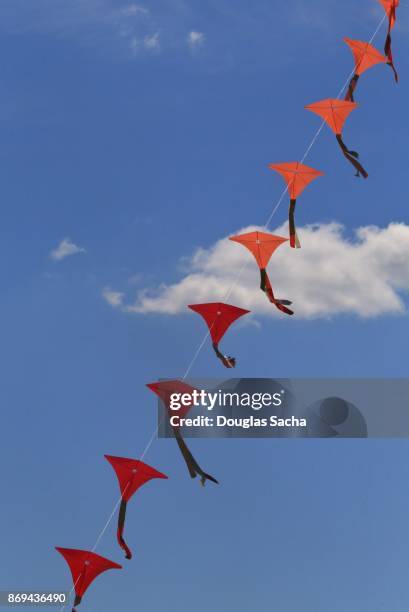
[{"x": 132, "y": 474}]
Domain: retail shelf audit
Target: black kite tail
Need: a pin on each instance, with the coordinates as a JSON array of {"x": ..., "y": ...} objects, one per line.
[
  {"x": 294, "y": 242},
  {"x": 192, "y": 465},
  {"x": 120, "y": 530},
  {"x": 228, "y": 362},
  {"x": 351, "y": 88},
  {"x": 76, "y": 602},
  {"x": 388, "y": 44},
  {"x": 392, "y": 65},
  {"x": 263, "y": 279},
  {"x": 352, "y": 157},
  {"x": 265, "y": 286}
]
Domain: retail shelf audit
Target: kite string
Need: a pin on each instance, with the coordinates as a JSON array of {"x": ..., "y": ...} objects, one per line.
[
  {"x": 146, "y": 449},
  {"x": 229, "y": 292},
  {"x": 111, "y": 516},
  {"x": 71, "y": 592},
  {"x": 97, "y": 541}
]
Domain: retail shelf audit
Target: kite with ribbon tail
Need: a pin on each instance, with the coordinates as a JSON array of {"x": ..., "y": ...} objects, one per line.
[
  {"x": 262, "y": 246},
  {"x": 132, "y": 475},
  {"x": 165, "y": 390},
  {"x": 85, "y": 566},
  {"x": 298, "y": 177},
  {"x": 335, "y": 112},
  {"x": 365, "y": 56},
  {"x": 219, "y": 317},
  {"x": 390, "y": 7}
]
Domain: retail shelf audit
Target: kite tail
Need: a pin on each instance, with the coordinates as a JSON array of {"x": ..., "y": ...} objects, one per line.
[
  {"x": 76, "y": 602},
  {"x": 294, "y": 242},
  {"x": 352, "y": 157},
  {"x": 351, "y": 88},
  {"x": 192, "y": 465},
  {"x": 389, "y": 55},
  {"x": 120, "y": 530},
  {"x": 265, "y": 286},
  {"x": 388, "y": 44},
  {"x": 263, "y": 279},
  {"x": 388, "y": 41},
  {"x": 392, "y": 65},
  {"x": 228, "y": 362}
]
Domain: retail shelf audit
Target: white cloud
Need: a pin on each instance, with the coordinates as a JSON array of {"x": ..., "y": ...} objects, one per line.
[
  {"x": 65, "y": 249},
  {"x": 331, "y": 274},
  {"x": 152, "y": 42},
  {"x": 195, "y": 39},
  {"x": 134, "y": 9},
  {"x": 113, "y": 298}
]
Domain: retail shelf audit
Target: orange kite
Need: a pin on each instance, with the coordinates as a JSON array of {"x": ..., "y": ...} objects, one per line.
[
  {"x": 262, "y": 246},
  {"x": 390, "y": 7},
  {"x": 298, "y": 177},
  {"x": 335, "y": 112},
  {"x": 365, "y": 56}
]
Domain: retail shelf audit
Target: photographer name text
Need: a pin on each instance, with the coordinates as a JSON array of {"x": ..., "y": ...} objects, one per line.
[{"x": 243, "y": 423}]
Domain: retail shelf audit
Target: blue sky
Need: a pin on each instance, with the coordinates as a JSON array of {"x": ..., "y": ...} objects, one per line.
[{"x": 141, "y": 144}]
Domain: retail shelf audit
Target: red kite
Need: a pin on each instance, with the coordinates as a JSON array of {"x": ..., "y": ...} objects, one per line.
[
  {"x": 335, "y": 113},
  {"x": 85, "y": 566},
  {"x": 219, "y": 317},
  {"x": 131, "y": 474},
  {"x": 365, "y": 56},
  {"x": 165, "y": 389},
  {"x": 262, "y": 246},
  {"x": 390, "y": 7},
  {"x": 297, "y": 176}
]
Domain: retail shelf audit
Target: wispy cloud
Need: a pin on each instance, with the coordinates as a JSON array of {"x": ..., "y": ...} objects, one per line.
[
  {"x": 330, "y": 275},
  {"x": 152, "y": 42},
  {"x": 252, "y": 32},
  {"x": 148, "y": 43},
  {"x": 66, "y": 248},
  {"x": 109, "y": 25},
  {"x": 134, "y": 9},
  {"x": 101, "y": 23},
  {"x": 195, "y": 39},
  {"x": 113, "y": 298}
]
